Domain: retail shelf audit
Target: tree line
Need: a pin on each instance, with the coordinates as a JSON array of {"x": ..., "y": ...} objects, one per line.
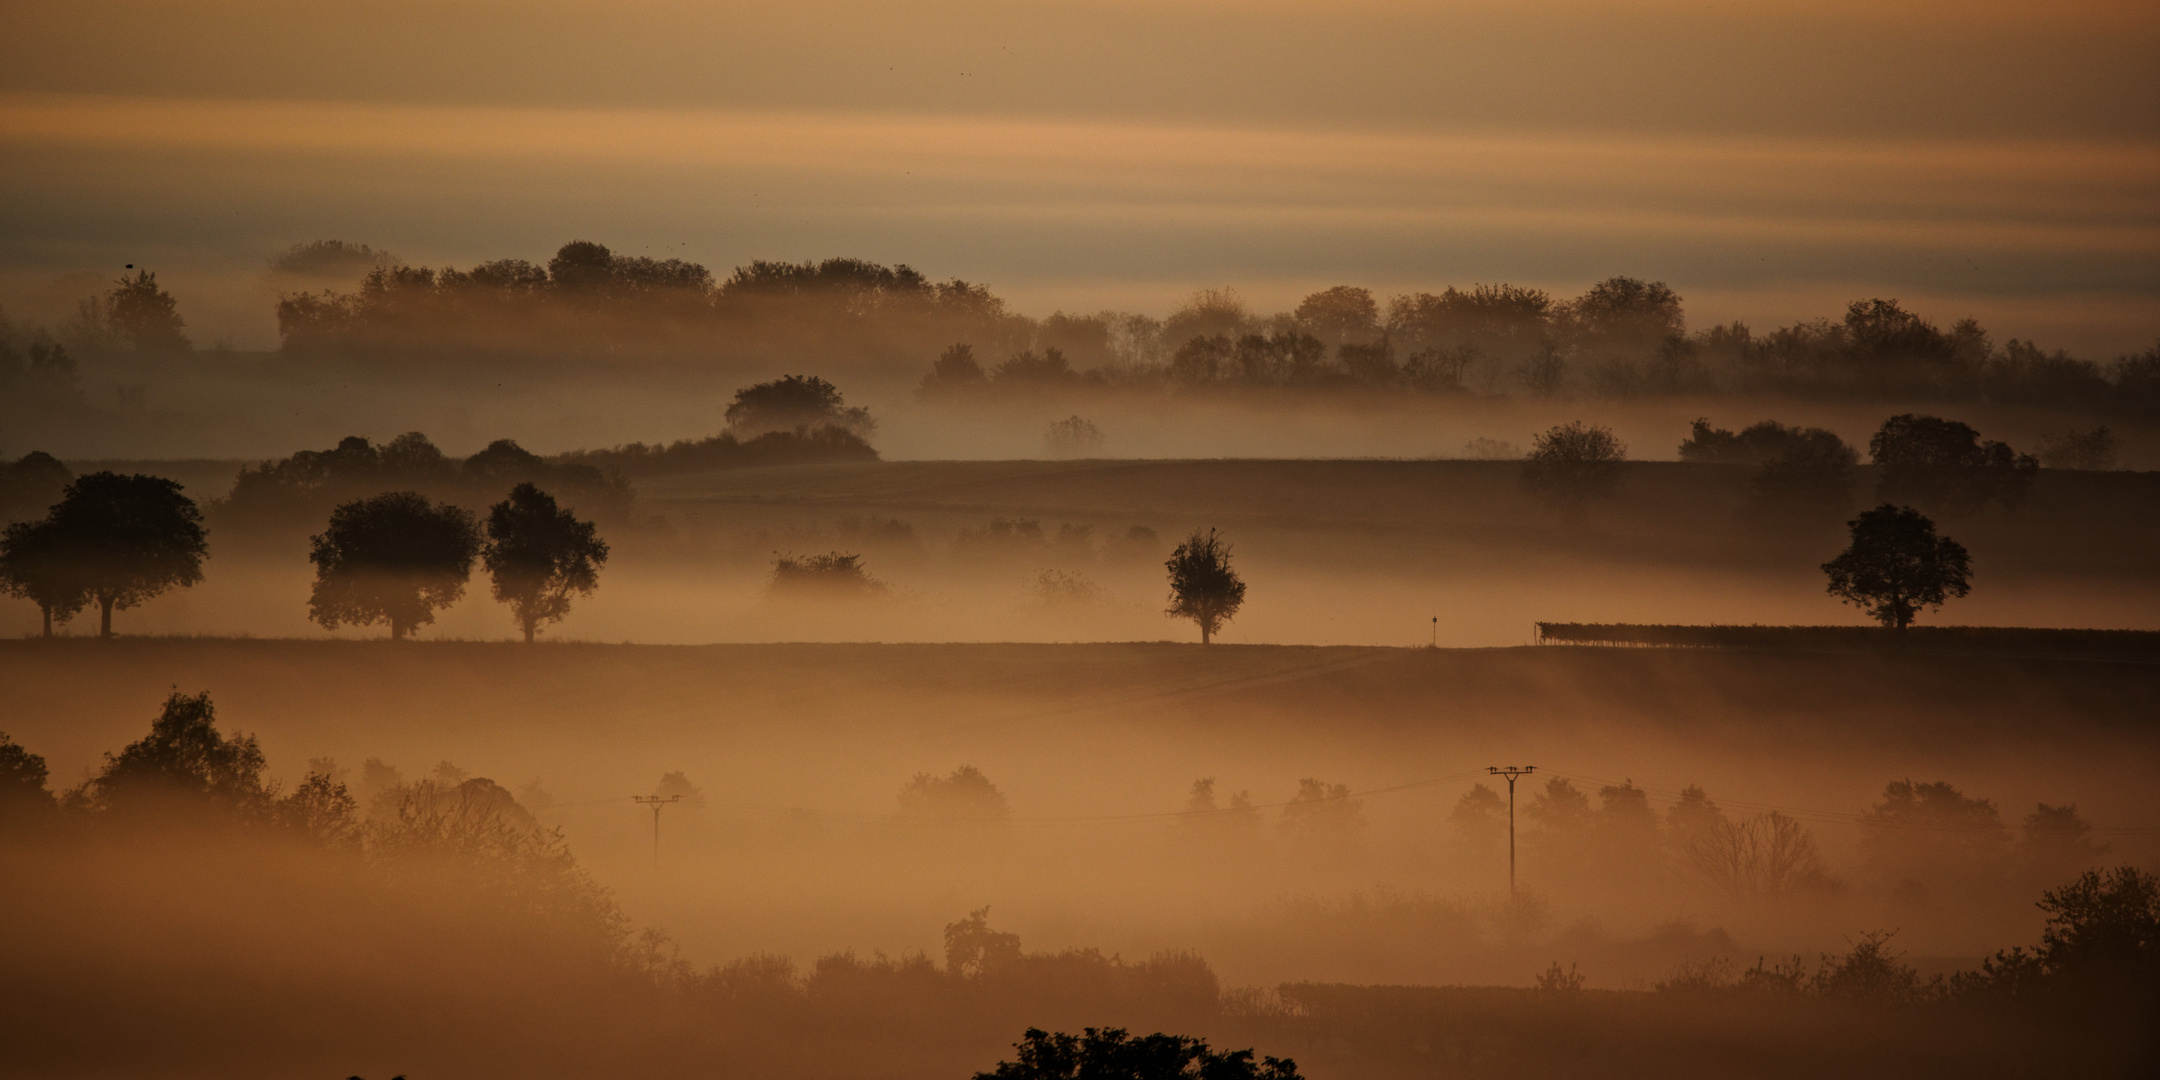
[
  {"x": 1622, "y": 337},
  {"x": 115, "y": 541}
]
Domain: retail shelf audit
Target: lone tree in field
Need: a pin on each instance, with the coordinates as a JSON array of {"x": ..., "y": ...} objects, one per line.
[
  {"x": 35, "y": 565},
  {"x": 1203, "y": 587},
  {"x": 121, "y": 540},
  {"x": 393, "y": 558},
  {"x": 538, "y": 554},
  {"x": 1897, "y": 565},
  {"x": 1573, "y": 463}
]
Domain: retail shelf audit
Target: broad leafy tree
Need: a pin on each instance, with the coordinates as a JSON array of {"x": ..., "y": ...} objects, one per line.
[
  {"x": 1897, "y": 565},
  {"x": 1944, "y": 466},
  {"x": 395, "y": 558},
  {"x": 1203, "y": 586},
  {"x": 35, "y": 565},
  {"x": 538, "y": 554},
  {"x": 122, "y": 540}
]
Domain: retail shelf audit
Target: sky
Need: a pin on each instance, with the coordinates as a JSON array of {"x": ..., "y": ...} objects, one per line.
[{"x": 1771, "y": 161}]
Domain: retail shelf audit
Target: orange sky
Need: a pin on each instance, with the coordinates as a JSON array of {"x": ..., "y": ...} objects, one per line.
[{"x": 1770, "y": 163}]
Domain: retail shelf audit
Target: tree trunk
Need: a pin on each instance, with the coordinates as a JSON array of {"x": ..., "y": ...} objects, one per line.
[
  {"x": 46, "y": 609},
  {"x": 528, "y": 631},
  {"x": 1204, "y": 634},
  {"x": 104, "y": 617},
  {"x": 397, "y": 630}
]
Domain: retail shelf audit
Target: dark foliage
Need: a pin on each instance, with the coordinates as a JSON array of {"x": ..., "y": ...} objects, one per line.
[
  {"x": 120, "y": 540},
  {"x": 802, "y": 446},
  {"x": 1897, "y": 566},
  {"x": 1942, "y": 465},
  {"x": 794, "y": 402},
  {"x": 831, "y": 575},
  {"x": 538, "y": 554},
  {"x": 1111, "y": 1054},
  {"x": 311, "y": 482},
  {"x": 31, "y": 484},
  {"x": 144, "y": 316},
  {"x": 394, "y": 558},
  {"x": 1574, "y": 463},
  {"x": 1203, "y": 586},
  {"x": 23, "y": 797},
  {"x": 2009, "y": 639}
]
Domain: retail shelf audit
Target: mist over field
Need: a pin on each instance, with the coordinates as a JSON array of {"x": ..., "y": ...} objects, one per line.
[{"x": 1083, "y": 541}]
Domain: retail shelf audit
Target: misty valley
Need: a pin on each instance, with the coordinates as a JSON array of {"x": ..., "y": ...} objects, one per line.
[{"x": 597, "y": 668}]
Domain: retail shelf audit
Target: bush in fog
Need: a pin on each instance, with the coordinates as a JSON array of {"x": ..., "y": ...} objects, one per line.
[
  {"x": 30, "y": 485},
  {"x": 791, "y": 402},
  {"x": 538, "y": 554},
  {"x": 831, "y": 574},
  {"x": 113, "y": 541},
  {"x": 973, "y": 950},
  {"x": 395, "y": 559},
  {"x": 138, "y": 313},
  {"x": 955, "y": 370},
  {"x": 1486, "y": 448},
  {"x": 1203, "y": 586},
  {"x": 310, "y": 482},
  {"x": 1203, "y": 811},
  {"x": 801, "y": 446},
  {"x": 1755, "y": 444},
  {"x": 1072, "y": 437},
  {"x": 1574, "y": 463},
  {"x": 1480, "y": 817},
  {"x": 2095, "y": 449},
  {"x": 1942, "y": 465},
  {"x": 1322, "y": 813},
  {"x": 1111, "y": 1054},
  {"x": 40, "y": 389},
  {"x": 330, "y": 259},
  {"x": 965, "y": 796},
  {"x": 1897, "y": 566},
  {"x": 22, "y": 784},
  {"x": 1758, "y": 857},
  {"x": 1064, "y": 588},
  {"x": 1934, "y": 832}
]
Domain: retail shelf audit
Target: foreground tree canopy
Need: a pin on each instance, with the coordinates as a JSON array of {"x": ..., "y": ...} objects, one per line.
[
  {"x": 1111, "y": 1054},
  {"x": 1897, "y": 565},
  {"x": 394, "y": 558}
]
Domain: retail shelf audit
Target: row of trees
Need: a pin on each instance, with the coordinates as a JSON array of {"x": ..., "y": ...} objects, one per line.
[
  {"x": 1942, "y": 466},
  {"x": 117, "y": 540},
  {"x": 1924, "y": 835},
  {"x": 1623, "y": 336}
]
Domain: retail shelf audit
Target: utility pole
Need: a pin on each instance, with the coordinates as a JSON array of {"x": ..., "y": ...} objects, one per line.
[
  {"x": 1511, "y": 773},
  {"x": 656, "y": 802}
]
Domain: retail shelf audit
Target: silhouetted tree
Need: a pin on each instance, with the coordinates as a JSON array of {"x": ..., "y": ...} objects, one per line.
[
  {"x": 1933, "y": 831},
  {"x": 1897, "y": 565},
  {"x": 966, "y": 796},
  {"x": 1110, "y": 1054},
  {"x": 2103, "y": 932},
  {"x": 2058, "y": 840},
  {"x": 973, "y": 950},
  {"x": 1323, "y": 813},
  {"x": 22, "y": 783},
  {"x": 538, "y": 554},
  {"x": 1942, "y": 465},
  {"x": 145, "y": 316},
  {"x": 184, "y": 757},
  {"x": 1203, "y": 587},
  {"x": 36, "y": 564},
  {"x": 1073, "y": 437},
  {"x": 1340, "y": 315},
  {"x": 794, "y": 401},
  {"x": 127, "y": 539},
  {"x": 393, "y": 558},
  {"x": 1573, "y": 463},
  {"x": 955, "y": 369}
]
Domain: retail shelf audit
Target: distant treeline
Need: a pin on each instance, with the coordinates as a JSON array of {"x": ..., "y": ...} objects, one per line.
[
  {"x": 1991, "y": 639},
  {"x": 306, "y": 485},
  {"x": 1623, "y": 337}
]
